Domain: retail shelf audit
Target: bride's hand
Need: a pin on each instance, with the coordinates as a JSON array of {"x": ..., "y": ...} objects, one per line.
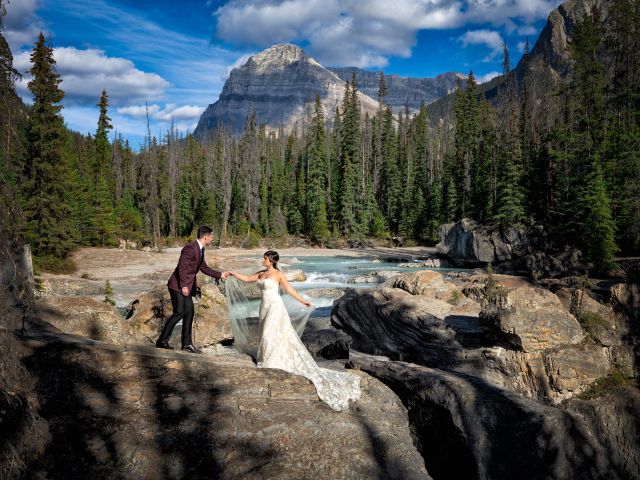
[{"x": 307, "y": 303}]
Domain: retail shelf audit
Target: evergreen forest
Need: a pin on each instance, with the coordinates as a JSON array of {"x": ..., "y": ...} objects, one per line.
[{"x": 564, "y": 155}]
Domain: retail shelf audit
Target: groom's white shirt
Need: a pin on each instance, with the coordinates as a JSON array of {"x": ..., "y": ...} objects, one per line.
[{"x": 201, "y": 247}]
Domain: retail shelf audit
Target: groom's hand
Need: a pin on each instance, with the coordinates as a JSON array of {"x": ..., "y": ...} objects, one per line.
[
  {"x": 225, "y": 275},
  {"x": 185, "y": 291}
]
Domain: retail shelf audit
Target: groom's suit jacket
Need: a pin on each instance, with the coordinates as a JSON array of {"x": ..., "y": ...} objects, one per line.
[{"x": 190, "y": 263}]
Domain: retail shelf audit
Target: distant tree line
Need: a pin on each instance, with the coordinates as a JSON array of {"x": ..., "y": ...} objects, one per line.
[{"x": 389, "y": 174}]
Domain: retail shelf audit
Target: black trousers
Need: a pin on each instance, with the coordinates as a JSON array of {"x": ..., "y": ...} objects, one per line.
[{"x": 182, "y": 310}]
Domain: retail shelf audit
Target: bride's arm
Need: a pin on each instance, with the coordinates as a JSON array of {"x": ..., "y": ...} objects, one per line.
[
  {"x": 291, "y": 291},
  {"x": 245, "y": 278}
]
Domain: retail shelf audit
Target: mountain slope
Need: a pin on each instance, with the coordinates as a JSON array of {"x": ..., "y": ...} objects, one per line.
[
  {"x": 403, "y": 91},
  {"x": 280, "y": 85}
]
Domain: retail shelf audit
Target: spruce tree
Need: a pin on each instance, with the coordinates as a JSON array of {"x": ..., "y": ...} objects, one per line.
[
  {"x": 46, "y": 192},
  {"x": 129, "y": 225},
  {"x": 598, "y": 234},
  {"x": 103, "y": 215},
  {"x": 317, "y": 193},
  {"x": 509, "y": 208}
]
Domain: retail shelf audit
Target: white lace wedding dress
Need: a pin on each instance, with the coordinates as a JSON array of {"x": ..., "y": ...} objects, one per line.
[{"x": 280, "y": 347}]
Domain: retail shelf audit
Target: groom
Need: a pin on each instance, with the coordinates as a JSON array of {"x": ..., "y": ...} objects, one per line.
[{"x": 182, "y": 287}]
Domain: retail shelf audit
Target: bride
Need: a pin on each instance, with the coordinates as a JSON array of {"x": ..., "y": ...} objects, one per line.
[{"x": 280, "y": 347}]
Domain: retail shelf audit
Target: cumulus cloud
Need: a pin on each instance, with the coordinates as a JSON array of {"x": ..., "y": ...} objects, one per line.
[
  {"x": 21, "y": 25},
  {"x": 489, "y": 38},
  {"x": 170, "y": 113},
  {"x": 86, "y": 72},
  {"x": 353, "y": 32}
]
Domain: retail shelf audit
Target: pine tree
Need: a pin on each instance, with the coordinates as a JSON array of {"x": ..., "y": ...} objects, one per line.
[
  {"x": 102, "y": 207},
  {"x": 390, "y": 187},
  {"x": 599, "y": 228},
  {"x": 348, "y": 224},
  {"x": 129, "y": 224},
  {"x": 46, "y": 192},
  {"x": 317, "y": 194},
  {"x": 509, "y": 206},
  {"x": 467, "y": 136}
]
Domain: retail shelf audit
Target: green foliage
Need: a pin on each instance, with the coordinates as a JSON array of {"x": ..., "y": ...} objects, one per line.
[
  {"x": 46, "y": 191},
  {"x": 129, "y": 220},
  {"x": 108, "y": 293},
  {"x": 317, "y": 193},
  {"x": 606, "y": 385},
  {"x": 590, "y": 320},
  {"x": 391, "y": 174},
  {"x": 52, "y": 264},
  {"x": 494, "y": 293},
  {"x": 598, "y": 231}
]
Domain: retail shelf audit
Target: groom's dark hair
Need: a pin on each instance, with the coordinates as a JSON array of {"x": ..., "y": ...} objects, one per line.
[{"x": 204, "y": 230}]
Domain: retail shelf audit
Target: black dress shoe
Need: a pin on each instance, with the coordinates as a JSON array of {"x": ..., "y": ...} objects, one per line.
[
  {"x": 191, "y": 348},
  {"x": 164, "y": 345}
]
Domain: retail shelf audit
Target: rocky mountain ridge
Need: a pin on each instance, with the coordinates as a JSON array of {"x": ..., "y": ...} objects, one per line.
[{"x": 280, "y": 85}]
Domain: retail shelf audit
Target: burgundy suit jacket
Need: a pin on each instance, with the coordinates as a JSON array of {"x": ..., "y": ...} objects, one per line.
[{"x": 185, "y": 273}]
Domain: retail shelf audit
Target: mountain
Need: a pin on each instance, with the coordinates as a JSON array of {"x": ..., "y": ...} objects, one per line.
[
  {"x": 280, "y": 85},
  {"x": 547, "y": 65},
  {"x": 403, "y": 91}
]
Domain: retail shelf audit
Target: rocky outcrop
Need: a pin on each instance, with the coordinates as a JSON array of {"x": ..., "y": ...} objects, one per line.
[
  {"x": 403, "y": 91},
  {"x": 466, "y": 428},
  {"x": 428, "y": 283},
  {"x": 373, "y": 277},
  {"x": 144, "y": 413},
  {"x": 84, "y": 316},
  {"x": 532, "y": 319},
  {"x": 327, "y": 343},
  {"x": 436, "y": 262},
  {"x": 511, "y": 250},
  {"x": 279, "y": 85},
  {"x": 531, "y": 345}
]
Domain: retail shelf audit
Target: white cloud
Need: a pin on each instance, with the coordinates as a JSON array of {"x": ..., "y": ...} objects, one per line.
[
  {"x": 490, "y": 38},
  {"x": 363, "y": 33},
  {"x": 86, "y": 72},
  {"x": 21, "y": 25},
  {"x": 487, "y": 77},
  {"x": 527, "y": 30},
  {"x": 170, "y": 112}
]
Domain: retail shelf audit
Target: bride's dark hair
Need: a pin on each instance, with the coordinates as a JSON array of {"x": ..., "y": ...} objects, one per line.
[{"x": 273, "y": 257}]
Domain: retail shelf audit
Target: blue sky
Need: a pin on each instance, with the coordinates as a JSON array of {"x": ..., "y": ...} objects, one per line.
[{"x": 175, "y": 56}]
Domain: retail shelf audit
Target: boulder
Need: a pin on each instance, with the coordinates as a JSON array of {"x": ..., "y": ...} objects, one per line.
[
  {"x": 211, "y": 324},
  {"x": 570, "y": 368},
  {"x": 466, "y": 428},
  {"x": 392, "y": 322},
  {"x": 324, "y": 292},
  {"x": 327, "y": 343},
  {"x": 512, "y": 250},
  {"x": 146, "y": 316},
  {"x": 427, "y": 263},
  {"x": 427, "y": 283},
  {"x": 548, "y": 265},
  {"x": 144, "y": 413},
  {"x": 86, "y": 317},
  {"x": 532, "y": 345},
  {"x": 374, "y": 277},
  {"x": 599, "y": 320},
  {"x": 533, "y": 319}
]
